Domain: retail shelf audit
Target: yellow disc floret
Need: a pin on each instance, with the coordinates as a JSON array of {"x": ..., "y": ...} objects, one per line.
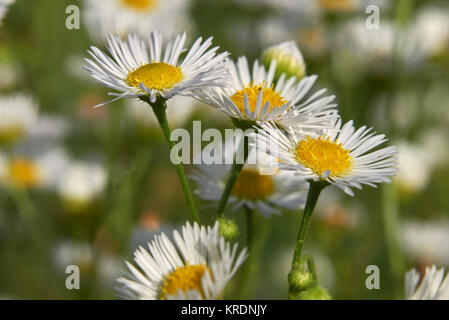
[
  {"x": 23, "y": 173},
  {"x": 252, "y": 91},
  {"x": 184, "y": 278},
  {"x": 320, "y": 155},
  {"x": 139, "y": 5},
  {"x": 156, "y": 75},
  {"x": 251, "y": 185},
  {"x": 338, "y": 5}
]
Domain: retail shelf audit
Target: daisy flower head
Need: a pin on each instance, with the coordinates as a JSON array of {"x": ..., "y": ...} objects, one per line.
[
  {"x": 197, "y": 265},
  {"x": 140, "y": 16},
  {"x": 135, "y": 70},
  {"x": 433, "y": 286},
  {"x": 18, "y": 114},
  {"x": 339, "y": 155},
  {"x": 257, "y": 187},
  {"x": 254, "y": 96}
]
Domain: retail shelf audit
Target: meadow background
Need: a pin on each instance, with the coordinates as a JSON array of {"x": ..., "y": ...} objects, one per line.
[{"x": 401, "y": 90}]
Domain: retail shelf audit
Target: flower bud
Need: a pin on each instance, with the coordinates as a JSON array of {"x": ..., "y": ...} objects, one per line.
[
  {"x": 315, "y": 293},
  {"x": 227, "y": 228},
  {"x": 300, "y": 280},
  {"x": 288, "y": 58}
]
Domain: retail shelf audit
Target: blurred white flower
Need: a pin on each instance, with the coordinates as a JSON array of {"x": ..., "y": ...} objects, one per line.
[
  {"x": 18, "y": 113},
  {"x": 81, "y": 182},
  {"x": 435, "y": 144},
  {"x": 367, "y": 45},
  {"x": 136, "y": 16},
  {"x": 4, "y": 7},
  {"x": 426, "y": 240},
  {"x": 433, "y": 286},
  {"x": 28, "y": 168},
  {"x": 70, "y": 252},
  {"x": 414, "y": 167},
  {"x": 109, "y": 268},
  {"x": 255, "y": 187},
  {"x": 431, "y": 28}
]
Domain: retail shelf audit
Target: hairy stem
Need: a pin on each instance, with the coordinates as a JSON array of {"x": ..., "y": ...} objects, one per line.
[
  {"x": 159, "y": 108},
  {"x": 312, "y": 198},
  {"x": 235, "y": 172}
]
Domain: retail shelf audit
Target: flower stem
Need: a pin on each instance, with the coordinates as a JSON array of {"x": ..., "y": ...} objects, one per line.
[
  {"x": 390, "y": 217},
  {"x": 159, "y": 108},
  {"x": 256, "y": 244},
  {"x": 249, "y": 227},
  {"x": 235, "y": 172},
  {"x": 312, "y": 198}
]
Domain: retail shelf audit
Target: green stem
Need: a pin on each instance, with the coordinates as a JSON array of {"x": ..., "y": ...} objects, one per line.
[
  {"x": 255, "y": 247},
  {"x": 312, "y": 198},
  {"x": 235, "y": 172},
  {"x": 391, "y": 221},
  {"x": 26, "y": 210},
  {"x": 159, "y": 108},
  {"x": 249, "y": 227}
]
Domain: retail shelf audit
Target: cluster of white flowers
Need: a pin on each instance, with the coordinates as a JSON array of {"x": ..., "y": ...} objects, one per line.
[{"x": 297, "y": 130}]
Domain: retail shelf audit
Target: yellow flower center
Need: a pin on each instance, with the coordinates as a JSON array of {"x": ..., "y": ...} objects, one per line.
[
  {"x": 320, "y": 155},
  {"x": 337, "y": 5},
  {"x": 156, "y": 75},
  {"x": 184, "y": 278},
  {"x": 10, "y": 135},
  {"x": 251, "y": 185},
  {"x": 139, "y": 5},
  {"x": 252, "y": 91},
  {"x": 23, "y": 173}
]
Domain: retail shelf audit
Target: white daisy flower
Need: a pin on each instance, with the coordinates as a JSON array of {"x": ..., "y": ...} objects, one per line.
[
  {"x": 338, "y": 156},
  {"x": 18, "y": 114},
  {"x": 254, "y": 96},
  {"x": 434, "y": 285},
  {"x": 135, "y": 16},
  {"x": 256, "y": 187},
  {"x": 3, "y": 8},
  {"x": 135, "y": 70},
  {"x": 197, "y": 266}
]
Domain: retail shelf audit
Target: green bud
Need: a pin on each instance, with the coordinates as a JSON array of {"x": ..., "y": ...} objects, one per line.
[
  {"x": 315, "y": 293},
  {"x": 288, "y": 58},
  {"x": 300, "y": 280},
  {"x": 227, "y": 228}
]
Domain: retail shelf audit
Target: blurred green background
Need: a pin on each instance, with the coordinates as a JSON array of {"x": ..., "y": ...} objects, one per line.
[{"x": 399, "y": 85}]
